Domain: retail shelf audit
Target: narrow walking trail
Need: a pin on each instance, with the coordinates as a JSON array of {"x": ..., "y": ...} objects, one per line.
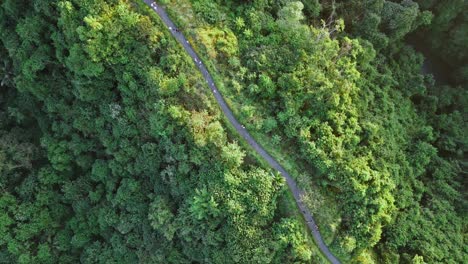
[{"x": 242, "y": 131}]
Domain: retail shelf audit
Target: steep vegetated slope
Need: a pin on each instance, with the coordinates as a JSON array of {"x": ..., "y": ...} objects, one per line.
[
  {"x": 447, "y": 35},
  {"x": 110, "y": 151},
  {"x": 336, "y": 80}
]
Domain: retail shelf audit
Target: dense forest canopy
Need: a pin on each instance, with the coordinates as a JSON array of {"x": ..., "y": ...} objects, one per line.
[
  {"x": 337, "y": 80},
  {"x": 113, "y": 151}
]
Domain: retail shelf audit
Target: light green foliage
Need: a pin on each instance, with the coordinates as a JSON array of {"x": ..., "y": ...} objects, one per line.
[
  {"x": 292, "y": 12},
  {"x": 232, "y": 155},
  {"x": 289, "y": 20},
  {"x": 288, "y": 234},
  {"x": 221, "y": 43},
  {"x": 203, "y": 205}
]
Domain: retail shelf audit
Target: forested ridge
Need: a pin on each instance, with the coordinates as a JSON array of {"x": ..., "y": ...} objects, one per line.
[{"x": 113, "y": 151}]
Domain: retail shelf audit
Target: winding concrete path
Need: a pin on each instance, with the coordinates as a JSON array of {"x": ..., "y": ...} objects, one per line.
[{"x": 242, "y": 131}]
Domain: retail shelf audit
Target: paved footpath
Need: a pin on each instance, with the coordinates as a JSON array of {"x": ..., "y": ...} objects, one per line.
[{"x": 242, "y": 131}]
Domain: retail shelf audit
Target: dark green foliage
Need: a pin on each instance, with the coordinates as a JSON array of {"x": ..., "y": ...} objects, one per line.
[
  {"x": 447, "y": 35},
  {"x": 381, "y": 22},
  {"x": 208, "y": 9},
  {"x": 109, "y": 153}
]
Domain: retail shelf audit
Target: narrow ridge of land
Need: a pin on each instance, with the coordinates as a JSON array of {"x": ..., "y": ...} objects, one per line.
[{"x": 243, "y": 132}]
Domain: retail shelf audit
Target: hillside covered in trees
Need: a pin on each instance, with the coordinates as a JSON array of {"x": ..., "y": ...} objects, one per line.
[
  {"x": 112, "y": 149},
  {"x": 111, "y": 152},
  {"x": 338, "y": 81}
]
